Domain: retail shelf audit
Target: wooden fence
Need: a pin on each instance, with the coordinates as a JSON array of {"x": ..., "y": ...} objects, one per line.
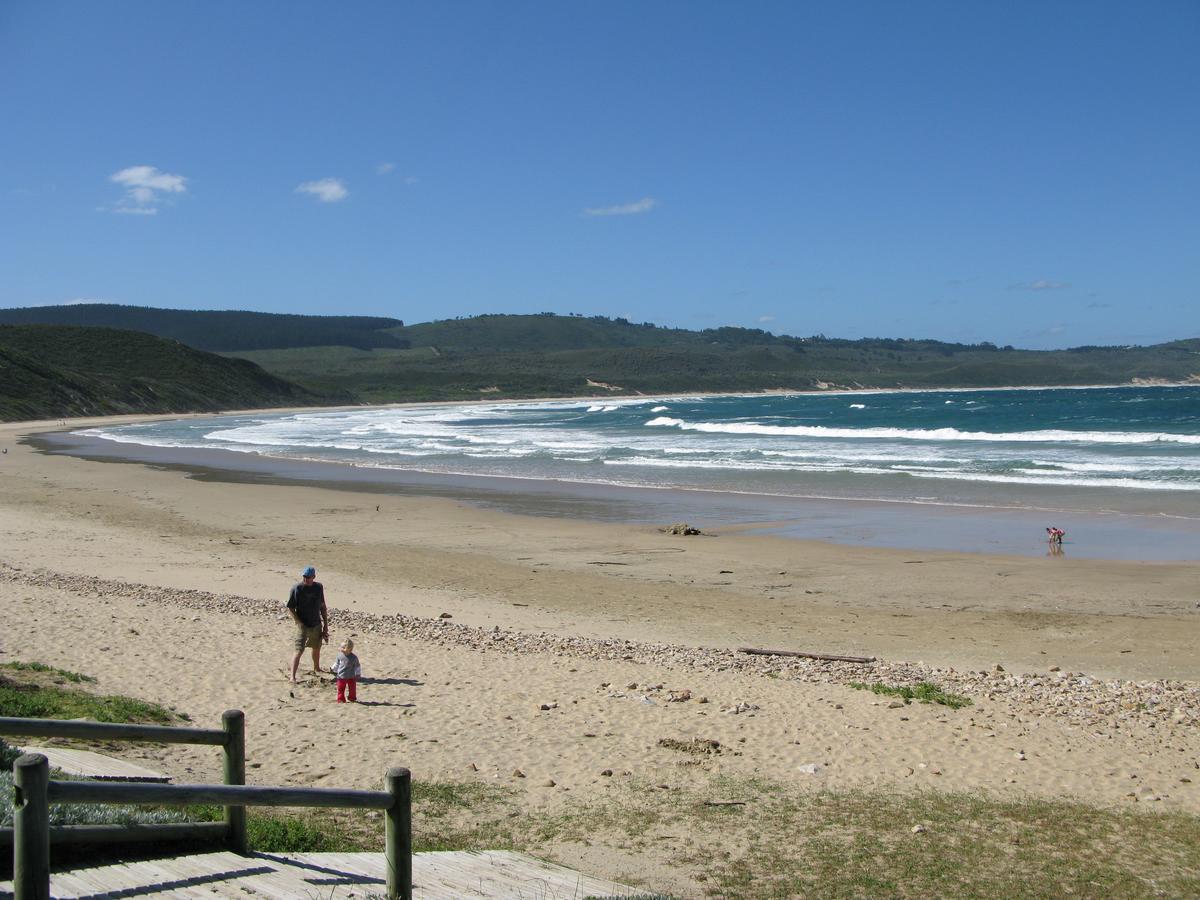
[{"x": 32, "y": 834}]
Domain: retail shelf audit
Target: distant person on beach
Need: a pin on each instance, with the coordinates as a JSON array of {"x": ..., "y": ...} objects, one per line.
[
  {"x": 306, "y": 603},
  {"x": 348, "y": 670},
  {"x": 1055, "y": 535}
]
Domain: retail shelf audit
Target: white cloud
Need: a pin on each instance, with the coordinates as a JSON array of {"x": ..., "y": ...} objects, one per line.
[
  {"x": 1042, "y": 284},
  {"x": 384, "y": 168},
  {"x": 411, "y": 179},
  {"x": 623, "y": 209},
  {"x": 145, "y": 188},
  {"x": 79, "y": 301},
  {"x": 764, "y": 319},
  {"x": 327, "y": 190}
]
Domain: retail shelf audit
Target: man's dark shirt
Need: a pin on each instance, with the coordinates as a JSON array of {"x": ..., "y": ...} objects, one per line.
[{"x": 306, "y": 601}]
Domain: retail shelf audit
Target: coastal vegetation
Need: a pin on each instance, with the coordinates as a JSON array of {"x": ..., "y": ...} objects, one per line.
[
  {"x": 217, "y": 329},
  {"x": 924, "y": 692},
  {"x": 60, "y": 371},
  {"x": 37, "y": 691},
  {"x": 542, "y": 356},
  {"x": 81, "y": 366}
]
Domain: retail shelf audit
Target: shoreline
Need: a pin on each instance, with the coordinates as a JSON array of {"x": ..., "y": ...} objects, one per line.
[{"x": 853, "y": 521}]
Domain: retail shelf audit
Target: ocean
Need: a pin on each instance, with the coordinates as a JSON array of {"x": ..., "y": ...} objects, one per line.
[{"x": 1131, "y": 451}]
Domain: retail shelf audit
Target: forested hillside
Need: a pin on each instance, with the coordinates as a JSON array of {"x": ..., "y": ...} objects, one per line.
[
  {"x": 219, "y": 329},
  {"x": 378, "y": 360},
  {"x": 49, "y": 372},
  {"x": 540, "y": 356}
]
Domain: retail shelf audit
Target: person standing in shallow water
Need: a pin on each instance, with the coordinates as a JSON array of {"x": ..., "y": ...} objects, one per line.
[{"x": 306, "y": 603}]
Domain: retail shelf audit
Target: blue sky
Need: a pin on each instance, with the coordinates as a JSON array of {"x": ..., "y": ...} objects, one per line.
[{"x": 1023, "y": 173}]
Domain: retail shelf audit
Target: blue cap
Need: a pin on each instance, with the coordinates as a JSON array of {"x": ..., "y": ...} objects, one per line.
[{"x": 309, "y": 572}]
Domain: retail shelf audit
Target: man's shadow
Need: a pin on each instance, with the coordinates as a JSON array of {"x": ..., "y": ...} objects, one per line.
[{"x": 409, "y": 681}]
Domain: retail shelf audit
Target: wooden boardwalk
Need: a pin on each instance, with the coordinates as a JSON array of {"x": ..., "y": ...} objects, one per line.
[
  {"x": 326, "y": 876},
  {"x": 86, "y": 764}
]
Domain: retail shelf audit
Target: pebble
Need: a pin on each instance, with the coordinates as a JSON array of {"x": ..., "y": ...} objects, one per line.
[{"x": 1075, "y": 697}]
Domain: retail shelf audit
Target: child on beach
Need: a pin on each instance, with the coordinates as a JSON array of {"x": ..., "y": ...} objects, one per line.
[{"x": 348, "y": 670}]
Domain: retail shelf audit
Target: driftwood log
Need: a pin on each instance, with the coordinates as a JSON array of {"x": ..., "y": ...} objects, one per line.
[{"x": 829, "y": 657}]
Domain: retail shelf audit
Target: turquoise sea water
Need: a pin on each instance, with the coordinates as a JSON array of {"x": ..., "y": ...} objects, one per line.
[{"x": 1134, "y": 449}]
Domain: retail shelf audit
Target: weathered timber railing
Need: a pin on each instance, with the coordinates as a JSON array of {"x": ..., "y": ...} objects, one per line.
[
  {"x": 32, "y": 833},
  {"x": 231, "y": 738}
]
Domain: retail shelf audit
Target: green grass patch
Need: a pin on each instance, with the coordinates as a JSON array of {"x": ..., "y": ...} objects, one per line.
[
  {"x": 42, "y": 667},
  {"x": 50, "y": 702},
  {"x": 925, "y": 692}
]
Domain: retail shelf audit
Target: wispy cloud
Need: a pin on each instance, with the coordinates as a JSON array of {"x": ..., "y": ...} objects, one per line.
[
  {"x": 80, "y": 301},
  {"x": 1096, "y": 304},
  {"x": 145, "y": 189},
  {"x": 763, "y": 320},
  {"x": 411, "y": 179},
  {"x": 623, "y": 209},
  {"x": 385, "y": 168},
  {"x": 327, "y": 190},
  {"x": 1041, "y": 284}
]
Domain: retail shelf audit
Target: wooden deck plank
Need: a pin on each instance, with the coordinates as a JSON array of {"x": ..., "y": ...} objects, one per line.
[
  {"x": 332, "y": 876},
  {"x": 88, "y": 764}
]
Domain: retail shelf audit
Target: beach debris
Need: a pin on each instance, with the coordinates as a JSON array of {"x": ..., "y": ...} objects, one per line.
[
  {"x": 918, "y": 829},
  {"x": 701, "y": 746},
  {"x": 607, "y": 773},
  {"x": 736, "y": 709},
  {"x": 724, "y": 802},
  {"x": 549, "y": 782},
  {"x": 1020, "y": 754},
  {"x": 551, "y": 705},
  {"x": 445, "y": 615},
  {"x": 804, "y": 654},
  {"x": 681, "y": 528},
  {"x": 809, "y": 769},
  {"x": 517, "y": 773},
  {"x": 678, "y": 696}
]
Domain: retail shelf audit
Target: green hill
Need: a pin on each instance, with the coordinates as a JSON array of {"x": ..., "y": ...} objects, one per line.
[
  {"x": 228, "y": 330},
  {"x": 49, "y": 372},
  {"x": 378, "y": 360},
  {"x": 545, "y": 355}
]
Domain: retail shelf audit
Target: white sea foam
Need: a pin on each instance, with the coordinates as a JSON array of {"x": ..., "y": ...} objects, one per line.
[{"x": 929, "y": 434}]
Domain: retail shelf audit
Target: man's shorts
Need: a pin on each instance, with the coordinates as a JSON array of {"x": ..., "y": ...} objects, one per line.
[{"x": 308, "y": 637}]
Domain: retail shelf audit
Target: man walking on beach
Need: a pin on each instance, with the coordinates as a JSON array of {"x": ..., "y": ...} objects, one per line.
[{"x": 307, "y": 606}]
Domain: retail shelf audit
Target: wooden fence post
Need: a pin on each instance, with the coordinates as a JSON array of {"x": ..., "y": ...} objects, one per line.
[
  {"x": 398, "y": 834},
  {"x": 234, "y": 723},
  {"x": 31, "y": 828}
]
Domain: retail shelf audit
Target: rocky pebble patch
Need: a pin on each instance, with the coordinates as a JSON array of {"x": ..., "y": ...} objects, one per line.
[{"x": 1097, "y": 704}]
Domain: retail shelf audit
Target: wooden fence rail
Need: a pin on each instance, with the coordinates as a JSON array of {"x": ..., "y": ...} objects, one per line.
[
  {"x": 231, "y": 737},
  {"x": 32, "y": 833}
]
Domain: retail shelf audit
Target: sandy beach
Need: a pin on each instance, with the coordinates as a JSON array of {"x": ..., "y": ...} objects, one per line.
[{"x": 1083, "y": 673}]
